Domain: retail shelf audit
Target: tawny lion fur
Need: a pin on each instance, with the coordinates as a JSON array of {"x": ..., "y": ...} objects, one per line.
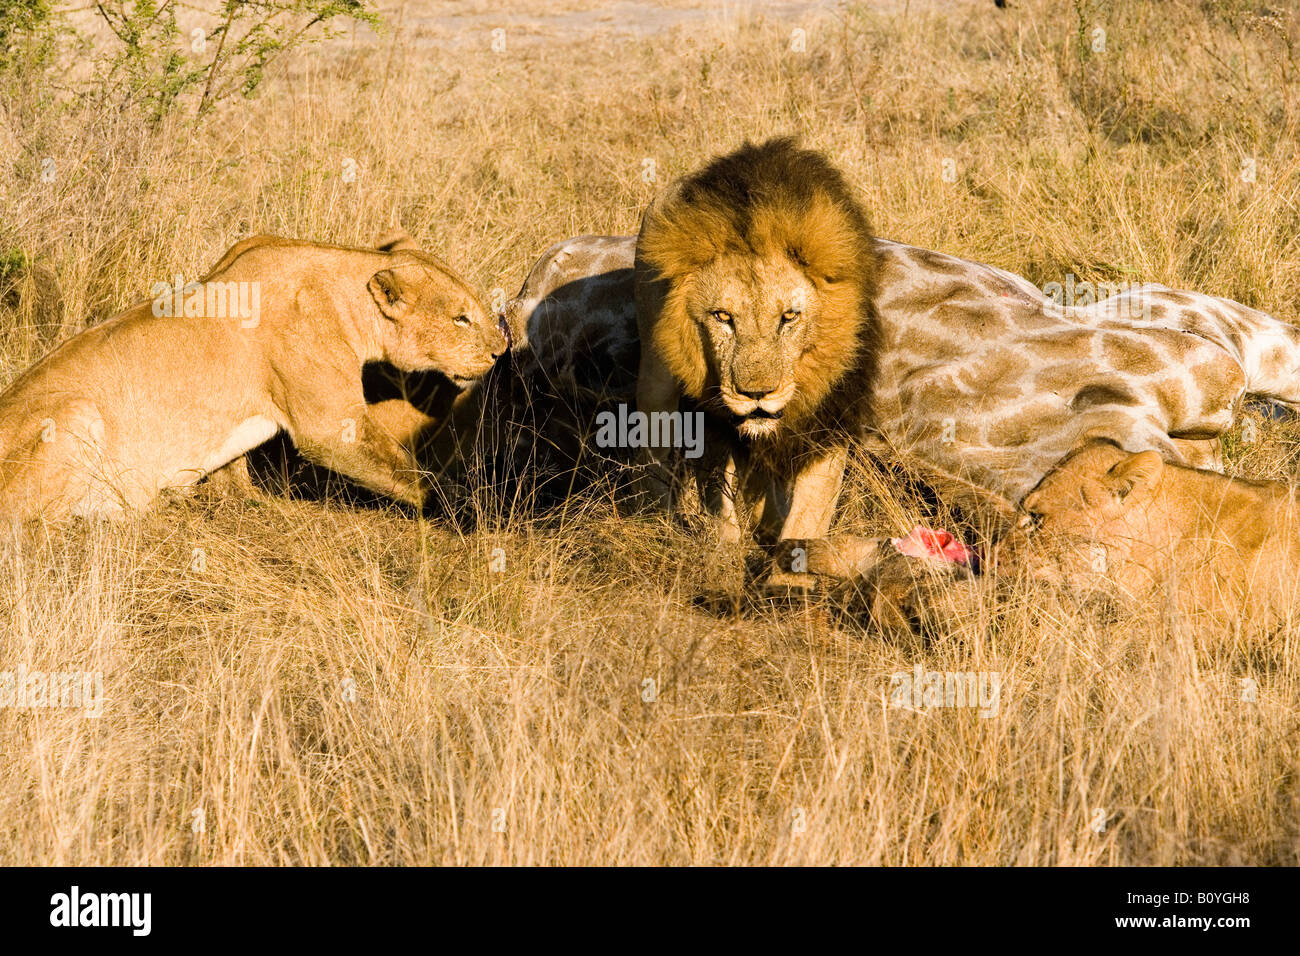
[{"x": 755, "y": 285}]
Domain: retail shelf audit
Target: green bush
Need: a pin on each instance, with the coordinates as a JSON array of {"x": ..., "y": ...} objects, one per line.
[
  {"x": 28, "y": 34},
  {"x": 149, "y": 67}
]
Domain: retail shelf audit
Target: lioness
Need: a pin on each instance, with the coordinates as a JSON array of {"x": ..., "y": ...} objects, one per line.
[
  {"x": 167, "y": 391},
  {"x": 755, "y": 281},
  {"x": 1217, "y": 544}
]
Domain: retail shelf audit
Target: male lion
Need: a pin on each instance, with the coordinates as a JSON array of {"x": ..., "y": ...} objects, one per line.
[
  {"x": 150, "y": 401},
  {"x": 755, "y": 281},
  {"x": 1217, "y": 544}
]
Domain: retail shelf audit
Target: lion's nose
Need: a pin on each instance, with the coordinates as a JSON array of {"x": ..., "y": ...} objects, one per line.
[{"x": 756, "y": 395}]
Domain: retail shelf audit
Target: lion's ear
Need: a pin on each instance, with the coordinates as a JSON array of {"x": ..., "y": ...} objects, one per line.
[
  {"x": 1135, "y": 471},
  {"x": 396, "y": 240},
  {"x": 386, "y": 289}
]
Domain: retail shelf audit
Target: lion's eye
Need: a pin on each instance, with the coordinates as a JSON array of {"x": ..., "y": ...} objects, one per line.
[
  {"x": 722, "y": 316},
  {"x": 461, "y": 320},
  {"x": 1030, "y": 520},
  {"x": 789, "y": 315}
]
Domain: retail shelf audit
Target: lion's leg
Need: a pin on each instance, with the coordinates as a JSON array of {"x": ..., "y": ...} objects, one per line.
[
  {"x": 814, "y": 495},
  {"x": 772, "y": 504},
  {"x": 33, "y": 484},
  {"x": 401, "y": 421},
  {"x": 63, "y": 469},
  {"x": 728, "y": 518},
  {"x": 720, "y": 473},
  {"x": 719, "y": 479},
  {"x": 812, "y": 499},
  {"x": 394, "y": 418},
  {"x": 361, "y": 449}
]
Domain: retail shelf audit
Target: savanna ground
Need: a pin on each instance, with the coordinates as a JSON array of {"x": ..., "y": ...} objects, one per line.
[{"x": 307, "y": 682}]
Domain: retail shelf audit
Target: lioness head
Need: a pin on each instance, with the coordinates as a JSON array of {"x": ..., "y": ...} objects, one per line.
[
  {"x": 1084, "y": 518},
  {"x": 432, "y": 320},
  {"x": 767, "y": 274}
]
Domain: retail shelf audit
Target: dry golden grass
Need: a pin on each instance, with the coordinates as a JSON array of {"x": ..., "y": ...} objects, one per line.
[{"x": 325, "y": 684}]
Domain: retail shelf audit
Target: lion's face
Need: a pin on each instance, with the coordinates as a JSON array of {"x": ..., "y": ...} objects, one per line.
[
  {"x": 755, "y": 285},
  {"x": 1081, "y": 522},
  {"x": 758, "y": 317},
  {"x": 433, "y": 322}
]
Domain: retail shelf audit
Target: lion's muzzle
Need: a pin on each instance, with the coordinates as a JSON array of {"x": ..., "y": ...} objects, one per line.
[{"x": 760, "y": 411}]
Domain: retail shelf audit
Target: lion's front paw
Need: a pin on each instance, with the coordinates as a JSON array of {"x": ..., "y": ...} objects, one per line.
[
  {"x": 789, "y": 572},
  {"x": 792, "y": 583}
]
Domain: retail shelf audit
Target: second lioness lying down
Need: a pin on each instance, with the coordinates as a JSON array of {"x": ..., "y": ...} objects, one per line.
[
  {"x": 148, "y": 401},
  {"x": 1213, "y": 543}
]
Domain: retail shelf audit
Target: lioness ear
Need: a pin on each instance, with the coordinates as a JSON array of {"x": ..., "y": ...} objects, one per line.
[
  {"x": 387, "y": 293},
  {"x": 1135, "y": 471},
  {"x": 395, "y": 240}
]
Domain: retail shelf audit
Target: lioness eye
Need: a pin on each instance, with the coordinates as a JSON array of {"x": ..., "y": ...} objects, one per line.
[
  {"x": 1030, "y": 520},
  {"x": 722, "y": 316},
  {"x": 789, "y": 315},
  {"x": 461, "y": 320}
]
